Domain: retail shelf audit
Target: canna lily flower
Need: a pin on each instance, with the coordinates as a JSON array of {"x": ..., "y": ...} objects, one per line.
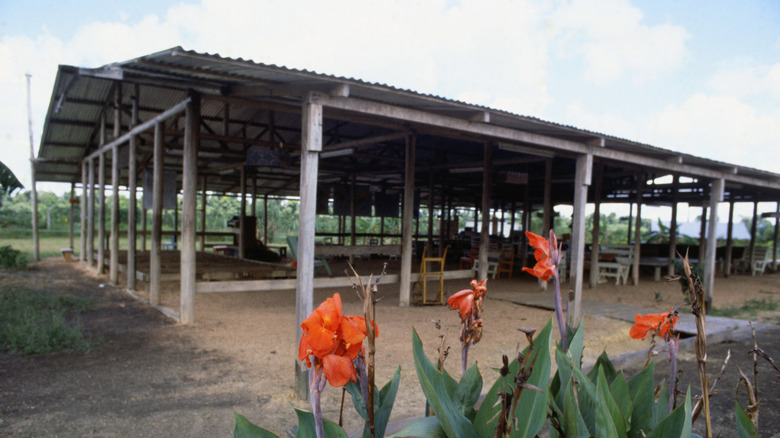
[
  {"x": 334, "y": 340},
  {"x": 660, "y": 323},
  {"x": 543, "y": 253},
  {"x": 469, "y": 301}
]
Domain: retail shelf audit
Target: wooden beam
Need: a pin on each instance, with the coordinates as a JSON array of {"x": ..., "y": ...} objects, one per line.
[
  {"x": 596, "y": 233},
  {"x": 188, "y": 209},
  {"x": 203, "y": 203},
  {"x": 673, "y": 226},
  {"x": 242, "y": 213},
  {"x": 484, "y": 236},
  {"x": 132, "y": 189},
  {"x": 716, "y": 196},
  {"x": 101, "y": 244},
  {"x": 83, "y": 204},
  {"x": 729, "y": 241},
  {"x": 91, "y": 214},
  {"x": 581, "y": 182},
  {"x": 114, "y": 244},
  {"x": 638, "y": 229},
  {"x": 311, "y": 144}
]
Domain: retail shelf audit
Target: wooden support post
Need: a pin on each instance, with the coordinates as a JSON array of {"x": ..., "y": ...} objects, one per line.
[
  {"x": 638, "y": 230},
  {"x": 132, "y": 204},
  {"x": 596, "y": 232},
  {"x": 189, "y": 209},
  {"x": 703, "y": 233},
  {"x": 71, "y": 214},
  {"x": 33, "y": 179},
  {"x": 547, "y": 208},
  {"x": 203, "y": 202},
  {"x": 242, "y": 215},
  {"x": 254, "y": 197},
  {"x": 716, "y": 196},
  {"x": 83, "y": 205},
  {"x": 484, "y": 237},
  {"x": 729, "y": 241},
  {"x": 114, "y": 244},
  {"x": 430, "y": 210},
  {"x": 406, "y": 222},
  {"x": 352, "y": 221},
  {"x": 144, "y": 219},
  {"x": 673, "y": 225},
  {"x": 265, "y": 219},
  {"x": 630, "y": 222},
  {"x": 526, "y": 227},
  {"x": 753, "y": 228},
  {"x": 101, "y": 213},
  {"x": 775, "y": 237},
  {"x": 155, "y": 268},
  {"x": 582, "y": 179},
  {"x": 311, "y": 145},
  {"x": 91, "y": 215}
]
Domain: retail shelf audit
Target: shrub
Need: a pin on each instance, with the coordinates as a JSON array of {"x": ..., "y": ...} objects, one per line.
[{"x": 12, "y": 258}]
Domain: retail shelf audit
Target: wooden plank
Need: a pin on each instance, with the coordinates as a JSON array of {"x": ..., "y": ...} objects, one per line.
[
  {"x": 673, "y": 225},
  {"x": 101, "y": 244},
  {"x": 406, "y": 221},
  {"x": 484, "y": 235},
  {"x": 583, "y": 165},
  {"x": 311, "y": 144},
  {"x": 114, "y": 243},
  {"x": 716, "y": 196},
  {"x": 242, "y": 214},
  {"x": 157, "y": 204},
  {"x": 83, "y": 205},
  {"x": 596, "y": 233},
  {"x": 637, "y": 230},
  {"x": 188, "y": 209},
  {"x": 132, "y": 189},
  {"x": 91, "y": 214}
]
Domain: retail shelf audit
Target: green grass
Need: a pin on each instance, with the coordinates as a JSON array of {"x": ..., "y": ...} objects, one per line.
[
  {"x": 39, "y": 321},
  {"x": 749, "y": 309}
]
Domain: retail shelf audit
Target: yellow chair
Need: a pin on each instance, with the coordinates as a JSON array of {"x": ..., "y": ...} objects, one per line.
[
  {"x": 506, "y": 263},
  {"x": 426, "y": 273}
]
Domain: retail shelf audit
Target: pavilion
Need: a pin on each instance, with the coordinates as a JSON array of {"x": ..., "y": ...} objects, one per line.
[{"x": 216, "y": 124}]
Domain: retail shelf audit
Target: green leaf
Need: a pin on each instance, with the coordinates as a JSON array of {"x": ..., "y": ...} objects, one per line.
[
  {"x": 435, "y": 388},
  {"x": 622, "y": 395},
  {"x": 603, "y": 362},
  {"x": 575, "y": 343},
  {"x": 428, "y": 427},
  {"x": 661, "y": 407},
  {"x": 531, "y": 412},
  {"x": 593, "y": 407},
  {"x": 745, "y": 427},
  {"x": 243, "y": 428},
  {"x": 487, "y": 410},
  {"x": 383, "y": 409},
  {"x": 573, "y": 423},
  {"x": 641, "y": 388},
  {"x": 353, "y": 388},
  {"x": 306, "y": 427},
  {"x": 468, "y": 390},
  {"x": 563, "y": 374},
  {"x": 677, "y": 424},
  {"x": 607, "y": 400}
]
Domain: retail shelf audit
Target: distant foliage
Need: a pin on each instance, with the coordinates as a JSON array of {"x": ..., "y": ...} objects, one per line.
[{"x": 12, "y": 258}]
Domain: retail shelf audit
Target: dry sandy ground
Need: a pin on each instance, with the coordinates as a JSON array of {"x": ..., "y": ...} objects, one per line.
[{"x": 153, "y": 377}]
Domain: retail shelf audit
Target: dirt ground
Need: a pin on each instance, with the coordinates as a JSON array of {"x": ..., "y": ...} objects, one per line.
[{"x": 150, "y": 376}]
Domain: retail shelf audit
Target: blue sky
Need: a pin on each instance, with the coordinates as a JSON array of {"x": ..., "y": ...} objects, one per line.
[{"x": 697, "y": 77}]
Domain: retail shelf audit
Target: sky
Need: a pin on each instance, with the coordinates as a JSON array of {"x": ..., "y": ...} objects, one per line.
[{"x": 698, "y": 77}]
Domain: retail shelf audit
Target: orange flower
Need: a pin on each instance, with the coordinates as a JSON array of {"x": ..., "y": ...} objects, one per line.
[
  {"x": 333, "y": 339},
  {"x": 465, "y": 300},
  {"x": 660, "y": 323},
  {"x": 544, "y": 268}
]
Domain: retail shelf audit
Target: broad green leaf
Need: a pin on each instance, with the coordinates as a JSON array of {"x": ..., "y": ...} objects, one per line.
[
  {"x": 428, "y": 427},
  {"x": 745, "y": 427},
  {"x": 677, "y": 424},
  {"x": 641, "y": 388},
  {"x": 434, "y": 386},
  {"x": 468, "y": 390},
  {"x": 531, "y": 412},
  {"x": 564, "y": 362},
  {"x": 243, "y": 428},
  {"x": 622, "y": 395},
  {"x": 353, "y": 388},
  {"x": 603, "y": 362},
  {"x": 383, "y": 403},
  {"x": 575, "y": 344},
  {"x": 607, "y": 399},
  {"x": 573, "y": 423},
  {"x": 306, "y": 427},
  {"x": 661, "y": 407},
  {"x": 593, "y": 408}
]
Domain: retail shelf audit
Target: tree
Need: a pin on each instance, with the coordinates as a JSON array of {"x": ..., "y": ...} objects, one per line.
[{"x": 8, "y": 182}]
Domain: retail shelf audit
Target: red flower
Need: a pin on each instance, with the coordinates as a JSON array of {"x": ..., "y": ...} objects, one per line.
[
  {"x": 333, "y": 339},
  {"x": 468, "y": 300},
  {"x": 659, "y": 323},
  {"x": 544, "y": 267}
]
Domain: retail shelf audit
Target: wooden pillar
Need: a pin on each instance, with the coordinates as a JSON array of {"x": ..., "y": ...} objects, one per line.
[
  {"x": 265, "y": 219},
  {"x": 132, "y": 204},
  {"x": 242, "y": 215},
  {"x": 311, "y": 145},
  {"x": 630, "y": 222},
  {"x": 254, "y": 197},
  {"x": 526, "y": 227},
  {"x": 638, "y": 230},
  {"x": 430, "y": 210},
  {"x": 203, "y": 202},
  {"x": 729, "y": 240},
  {"x": 352, "y": 221},
  {"x": 83, "y": 204},
  {"x": 155, "y": 270},
  {"x": 582, "y": 179},
  {"x": 716, "y": 196},
  {"x": 547, "y": 209},
  {"x": 596, "y": 232},
  {"x": 114, "y": 245},
  {"x": 33, "y": 179},
  {"x": 144, "y": 220},
  {"x": 673, "y": 225},
  {"x": 703, "y": 233},
  {"x": 406, "y": 222},
  {"x": 775, "y": 237},
  {"x": 189, "y": 208},
  {"x": 101, "y": 213},
  {"x": 512, "y": 218},
  {"x": 91, "y": 215},
  {"x": 71, "y": 214},
  {"x": 753, "y": 227},
  {"x": 484, "y": 237}
]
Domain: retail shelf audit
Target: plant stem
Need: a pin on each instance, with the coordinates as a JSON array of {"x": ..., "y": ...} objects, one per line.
[
  {"x": 558, "y": 309},
  {"x": 464, "y": 356},
  {"x": 316, "y": 376},
  {"x": 673, "y": 345}
]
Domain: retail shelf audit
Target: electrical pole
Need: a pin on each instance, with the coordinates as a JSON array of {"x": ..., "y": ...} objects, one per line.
[{"x": 34, "y": 192}]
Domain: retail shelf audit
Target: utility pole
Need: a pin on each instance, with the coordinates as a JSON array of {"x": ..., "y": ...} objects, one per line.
[{"x": 34, "y": 192}]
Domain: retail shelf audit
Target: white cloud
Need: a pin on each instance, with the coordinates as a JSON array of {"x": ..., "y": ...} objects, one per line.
[{"x": 610, "y": 36}]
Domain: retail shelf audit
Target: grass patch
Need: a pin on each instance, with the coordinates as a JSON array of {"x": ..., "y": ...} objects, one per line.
[
  {"x": 749, "y": 309},
  {"x": 38, "y": 322}
]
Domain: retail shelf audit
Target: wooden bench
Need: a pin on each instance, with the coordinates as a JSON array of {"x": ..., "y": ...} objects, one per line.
[{"x": 615, "y": 262}]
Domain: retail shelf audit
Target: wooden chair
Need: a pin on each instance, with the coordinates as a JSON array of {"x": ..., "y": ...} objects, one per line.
[
  {"x": 492, "y": 269},
  {"x": 319, "y": 262},
  {"x": 506, "y": 262},
  {"x": 434, "y": 271},
  {"x": 468, "y": 259},
  {"x": 761, "y": 258},
  {"x": 619, "y": 267}
]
